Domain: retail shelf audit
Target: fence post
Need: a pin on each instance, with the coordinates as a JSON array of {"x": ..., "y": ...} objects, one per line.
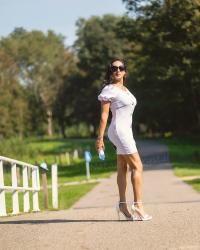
[
  {"x": 35, "y": 193},
  {"x": 2, "y": 192},
  {"x": 54, "y": 173},
  {"x": 38, "y": 177},
  {"x": 26, "y": 192},
  {"x": 75, "y": 155},
  {"x": 18, "y": 176},
  {"x": 15, "y": 188},
  {"x": 15, "y": 198},
  {"x": 67, "y": 158},
  {"x": 44, "y": 169},
  {"x": 44, "y": 186}
]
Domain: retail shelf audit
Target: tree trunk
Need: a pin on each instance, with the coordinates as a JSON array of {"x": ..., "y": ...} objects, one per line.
[
  {"x": 62, "y": 126},
  {"x": 50, "y": 123},
  {"x": 198, "y": 119}
]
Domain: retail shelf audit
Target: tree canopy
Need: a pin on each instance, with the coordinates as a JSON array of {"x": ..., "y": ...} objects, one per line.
[
  {"x": 167, "y": 74},
  {"x": 46, "y": 87}
]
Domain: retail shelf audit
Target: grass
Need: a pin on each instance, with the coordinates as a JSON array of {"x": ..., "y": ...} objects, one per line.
[
  {"x": 184, "y": 155},
  {"x": 185, "y": 158},
  {"x": 195, "y": 184},
  {"x": 38, "y": 150},
  {"x": 67, "y": 196},
  {"x": 34, "y": 150}
]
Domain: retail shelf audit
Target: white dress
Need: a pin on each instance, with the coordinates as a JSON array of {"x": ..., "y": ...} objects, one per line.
[{"x": 120, "y": 129}]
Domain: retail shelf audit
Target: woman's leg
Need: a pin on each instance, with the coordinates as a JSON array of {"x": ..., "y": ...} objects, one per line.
[
  {"x": 122, "y": 182},
  {"x": 136, "y": 166}
]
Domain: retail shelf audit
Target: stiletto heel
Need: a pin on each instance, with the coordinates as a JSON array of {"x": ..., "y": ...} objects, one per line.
[
  {"x": 119, "y": 211},
  {"x": 138, "y": 213}
]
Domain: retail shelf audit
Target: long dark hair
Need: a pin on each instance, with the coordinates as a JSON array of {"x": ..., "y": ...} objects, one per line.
[{"x": 107, "y": 78}]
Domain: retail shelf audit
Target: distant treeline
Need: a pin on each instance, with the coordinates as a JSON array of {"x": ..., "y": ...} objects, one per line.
[{"x": 47, "y": 87}]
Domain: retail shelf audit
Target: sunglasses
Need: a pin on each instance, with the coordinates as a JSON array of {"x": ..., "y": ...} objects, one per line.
[{"x": 115, "y": 68}]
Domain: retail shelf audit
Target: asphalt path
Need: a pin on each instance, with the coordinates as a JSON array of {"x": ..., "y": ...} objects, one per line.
[{"x": 92, "y": 222}]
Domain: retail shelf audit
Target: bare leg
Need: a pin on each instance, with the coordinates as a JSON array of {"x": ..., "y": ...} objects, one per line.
[
  {"x": 122, "y": 182},
  {"x": 136, "y": 166}
]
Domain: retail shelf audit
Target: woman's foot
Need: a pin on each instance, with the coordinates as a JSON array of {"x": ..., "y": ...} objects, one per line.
[
  {"x": 139, "y": 212},
  {"x": 122, "y": 208}
]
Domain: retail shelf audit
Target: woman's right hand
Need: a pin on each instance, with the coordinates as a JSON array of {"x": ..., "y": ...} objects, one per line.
[{"x": 99, "y": 144}]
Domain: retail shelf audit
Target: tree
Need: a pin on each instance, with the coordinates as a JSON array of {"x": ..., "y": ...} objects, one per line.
[
  {"x": 96, "y": 45},
  {"x": 42, "y": 63},
  {"x": 167, "y": 74},
  {"x": 64, "y": 104},
  {"x": 13, "y": 106}
]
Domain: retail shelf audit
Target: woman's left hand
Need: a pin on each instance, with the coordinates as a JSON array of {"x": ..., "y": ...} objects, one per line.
[{"x": 100, "y": 144}]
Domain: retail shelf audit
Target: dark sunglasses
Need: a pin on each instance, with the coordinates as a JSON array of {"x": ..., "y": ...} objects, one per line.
[{"x": 115, "y": 68}]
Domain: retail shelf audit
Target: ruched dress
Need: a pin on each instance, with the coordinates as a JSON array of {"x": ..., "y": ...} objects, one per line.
[{"x": 122, "y": 106}]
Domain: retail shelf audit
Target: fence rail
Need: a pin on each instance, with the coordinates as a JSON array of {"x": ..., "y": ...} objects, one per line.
[{"x": 15, "y": 189}]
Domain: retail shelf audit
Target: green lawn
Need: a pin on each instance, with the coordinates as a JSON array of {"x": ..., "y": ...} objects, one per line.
[
  {"x": 195, "y": 184},
  {"x": 184, "y": 154},
  {"x": 67, "y": 196},
  {"x": 49, "y": 150},
  {"x": 35, "y": 151},
  {"x": 185, "y": 158}
]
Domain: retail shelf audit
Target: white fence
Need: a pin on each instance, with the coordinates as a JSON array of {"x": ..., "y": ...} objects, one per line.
[{"x": 15, "y": 189}]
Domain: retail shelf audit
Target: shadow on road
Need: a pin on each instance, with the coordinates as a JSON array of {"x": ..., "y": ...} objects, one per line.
[
  {"x": 154, "y": 155},
  {"x": 55, "y": 221}
]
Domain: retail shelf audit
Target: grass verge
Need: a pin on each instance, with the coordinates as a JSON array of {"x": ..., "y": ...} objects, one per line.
[
  {"x": 195, "y": 184},
  {"x": 185, "y": 157},
  {"x": 67, "y": 196},
  {"x": 36, "y": 150}
]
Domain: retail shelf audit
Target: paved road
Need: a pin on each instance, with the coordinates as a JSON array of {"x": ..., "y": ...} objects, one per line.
[{"x": 92, "y": 222}]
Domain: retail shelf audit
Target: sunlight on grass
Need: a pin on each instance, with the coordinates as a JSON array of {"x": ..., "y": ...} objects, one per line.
[
  {"x": 35, "y": 151},
  {"x": 67, "y": 196},
  {"x": 185, "y": 158},
  {"x": 38, "y": 150},
  {"x": 184, "y": 155},
  {"x": 195, "y": 184},
  {"x": 186, "y": 169}
]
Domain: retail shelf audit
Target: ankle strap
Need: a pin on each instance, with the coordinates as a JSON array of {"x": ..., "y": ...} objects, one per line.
[
  {"x": 122, "y": 202},
  {"x": 135, "y": 202}
]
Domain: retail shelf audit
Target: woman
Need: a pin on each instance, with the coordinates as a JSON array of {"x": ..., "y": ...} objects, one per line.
[{"x": 118, "y": 98}]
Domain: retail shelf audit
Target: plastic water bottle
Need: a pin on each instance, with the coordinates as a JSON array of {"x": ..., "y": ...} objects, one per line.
[{"x": 101, "y": 155}]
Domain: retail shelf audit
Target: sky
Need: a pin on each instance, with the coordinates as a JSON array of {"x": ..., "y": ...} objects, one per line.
[{"x": 57, "y": 15}]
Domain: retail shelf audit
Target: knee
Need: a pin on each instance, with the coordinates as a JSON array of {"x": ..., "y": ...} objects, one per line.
[
  {"x": 122, "y": 170},
  {"x": 137, "y": 167},
  {"x": 138, "y": 172}
]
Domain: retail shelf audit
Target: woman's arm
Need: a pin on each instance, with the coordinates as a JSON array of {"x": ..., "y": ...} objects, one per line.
[{"x": 105, "y": 106}]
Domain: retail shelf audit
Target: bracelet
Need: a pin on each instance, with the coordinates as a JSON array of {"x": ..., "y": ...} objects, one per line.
[{"x": 99, "y": 137}]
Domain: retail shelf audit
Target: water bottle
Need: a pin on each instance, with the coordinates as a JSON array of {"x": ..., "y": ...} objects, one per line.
[{"x": 101, "y": 155}]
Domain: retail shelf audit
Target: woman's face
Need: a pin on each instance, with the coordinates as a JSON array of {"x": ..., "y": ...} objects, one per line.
[{"x": 118, "y": 71}]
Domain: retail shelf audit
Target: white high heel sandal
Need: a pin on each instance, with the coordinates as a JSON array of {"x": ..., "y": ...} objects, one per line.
[
  {"x": 137, "y": 214},
  {"x": 131, "y": 218}
]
